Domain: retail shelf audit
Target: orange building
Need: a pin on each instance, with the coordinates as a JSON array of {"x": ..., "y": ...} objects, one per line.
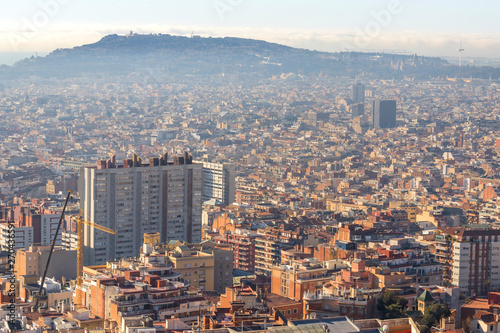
[
  {"x": 120, "y": 290},
  {"x": 299, "y": 277}
]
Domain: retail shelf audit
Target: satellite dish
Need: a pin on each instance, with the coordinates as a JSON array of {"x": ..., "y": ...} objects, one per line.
[
  {"x": 313, "y": 315},
  {"x": 385, "y": 329}
]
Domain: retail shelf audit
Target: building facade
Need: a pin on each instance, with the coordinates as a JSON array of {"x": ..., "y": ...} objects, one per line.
[
  {"x": 23, "y": 237},
  {"x": 120, "y": 290},
  {"x": 32, "y": 261},
  {"x": 357, "y": 110},
  {"x": 269, "y": 244},
  {"x": 136, "y": 198},
  {"x": 219, "y": 182},
  {"x": 195, "y": 267},
  {"x": 358, "y": 93},
  {"x": 383, "y": 114},
  {"x": 243, "y": 244},
  {"x": 473, "y": 259}
]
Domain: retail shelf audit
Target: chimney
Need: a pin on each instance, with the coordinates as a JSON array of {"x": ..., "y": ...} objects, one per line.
[
  {"x": 101, "y": 164},
  {"x": 163, "y": 159}
]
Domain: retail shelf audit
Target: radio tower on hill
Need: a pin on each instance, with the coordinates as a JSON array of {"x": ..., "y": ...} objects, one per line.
[{"x": 460, "y": 50}]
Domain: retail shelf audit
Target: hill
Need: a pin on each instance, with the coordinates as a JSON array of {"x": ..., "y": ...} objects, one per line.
[{"x": 179, "y": 57}]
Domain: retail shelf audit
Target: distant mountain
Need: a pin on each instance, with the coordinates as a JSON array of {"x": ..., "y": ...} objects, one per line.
[{"x": 155, "y": 57}]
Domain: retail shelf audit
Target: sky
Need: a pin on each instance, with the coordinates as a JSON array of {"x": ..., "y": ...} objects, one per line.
[{"x": 425, "y": 27}]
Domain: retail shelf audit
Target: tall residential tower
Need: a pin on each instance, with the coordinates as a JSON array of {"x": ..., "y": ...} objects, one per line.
[{"x": 136, "y": 198}]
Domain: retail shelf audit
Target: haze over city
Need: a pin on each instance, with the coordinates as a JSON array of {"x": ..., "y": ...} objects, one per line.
[{"x": 223, "y": 166}]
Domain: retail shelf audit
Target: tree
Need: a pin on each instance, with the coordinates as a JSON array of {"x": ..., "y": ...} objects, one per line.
[
  {"x": 487, "y": 284},
  {"x": 433, "y": 315},
  {"x": 390, "y": 306},
  {"x": 467, "y": 325}
]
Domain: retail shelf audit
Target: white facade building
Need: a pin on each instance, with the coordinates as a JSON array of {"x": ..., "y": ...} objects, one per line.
[
  {"x": 476, "y": 266},
  {"x": 48, "y": 227},
  {"x": 23, "y": 237},
  {"x": 219, "y": 182}
]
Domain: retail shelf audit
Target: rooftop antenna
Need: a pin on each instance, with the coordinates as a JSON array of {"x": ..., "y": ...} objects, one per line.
[{"x": 460, "y": 50}]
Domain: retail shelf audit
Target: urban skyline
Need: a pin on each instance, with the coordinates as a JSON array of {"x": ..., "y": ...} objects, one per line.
[{"x": 155, "y": 178}]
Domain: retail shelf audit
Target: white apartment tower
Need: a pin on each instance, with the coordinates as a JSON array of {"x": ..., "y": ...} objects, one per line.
[
  {"x": 219, "y": 182},
  {"x": 475, "y": 260},
  {"x": 136, "y": 198}
]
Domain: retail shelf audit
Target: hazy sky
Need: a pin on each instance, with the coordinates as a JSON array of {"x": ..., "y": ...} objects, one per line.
[{"x": 425, "y": 27}]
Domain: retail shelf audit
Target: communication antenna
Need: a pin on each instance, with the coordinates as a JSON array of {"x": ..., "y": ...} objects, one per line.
[{"x": 460, "y": 50}]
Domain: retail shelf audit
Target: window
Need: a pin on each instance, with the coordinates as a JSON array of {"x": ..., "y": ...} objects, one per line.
[
  {"x": 289, "y": 311},
  {"x": 295, "y": 311}
]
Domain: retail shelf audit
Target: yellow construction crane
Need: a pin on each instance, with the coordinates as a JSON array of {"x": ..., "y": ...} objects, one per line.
[{"x": 79, "y": 264}]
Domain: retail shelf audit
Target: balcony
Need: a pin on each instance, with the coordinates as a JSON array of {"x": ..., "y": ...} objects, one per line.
[
  {"x": 171, "y": 299},
  {"x": 159, "y": 264},
  {"x": 123, "y": 302},
  {"x": 135, "y": 312},
  {"x": 318, "y": 278},
  {"x": 442, "y": 248},
  {"x": 152, "y": 300},
  {"x": 177, "y": 311}
]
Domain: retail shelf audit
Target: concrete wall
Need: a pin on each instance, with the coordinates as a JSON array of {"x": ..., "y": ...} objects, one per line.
[{"x": 62, "y": 263}]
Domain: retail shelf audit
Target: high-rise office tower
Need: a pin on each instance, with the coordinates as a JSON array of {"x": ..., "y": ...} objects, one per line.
[
  {"x": 384, "y": 113},
  {"x": 358, "y": 93},
  {"x": 357, "y": 110},
  {"x": 219, "y": 182},
  {"x": 136, "y": 198}
]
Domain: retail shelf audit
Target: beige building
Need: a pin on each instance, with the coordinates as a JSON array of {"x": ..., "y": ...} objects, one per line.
[
  {"x": 196, "y": 267},
  {"x": 33, "y": 260},
  {"x": 223, "y": 264},
  {"x": 411, "y": 209}
]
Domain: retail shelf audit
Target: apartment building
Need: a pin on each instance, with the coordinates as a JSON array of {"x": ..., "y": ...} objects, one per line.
[
  {"x": 23, "y": 236},
  {"x": 268, "y": 247},
  {"x": 128, "y": 288},
  {"x": 219, "y": 182},
  {"x": 223, "y": 263},
  {"x": 32, "y": 261},
  {"x": 298, "y": 278},
  {"x": 243, "y": 244},
  {"x": 196, "y": 267},
  {"x": 471, "y": 259},
  {"x": 135, "y": 198}
]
